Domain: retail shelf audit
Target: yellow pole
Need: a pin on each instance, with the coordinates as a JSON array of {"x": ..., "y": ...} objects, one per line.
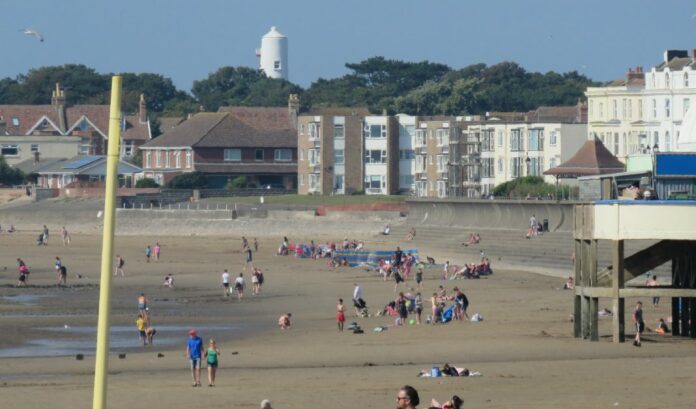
[{"x": 101, "y": 366}]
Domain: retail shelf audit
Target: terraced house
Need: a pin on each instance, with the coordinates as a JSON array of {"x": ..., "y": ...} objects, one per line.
[{"x": 257, "y": 143}]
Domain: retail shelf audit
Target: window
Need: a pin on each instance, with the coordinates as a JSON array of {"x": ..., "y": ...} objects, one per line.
[
  {"x": 158, "y": 159},
  {"x": 614, "y": 104},
  {"x": 488, "y": 167},
  {"x": 656, "y": 138},
  {"x": 407, "y": 131},
  {"x": 667, "y": 108},
  {"x": 177, "y": 159},
  {"x": 441, "y": 161},
  {"x": 667, "y": 80},
  {"x": 420, "y": 137},
  {"x": 500, "y": 138},
  {"x": 339, "y": 131},
  {"x": 601, "y": 109},
  {"x": 34, "y": 147},
  {"x": 128, "y": 149},
  {"x": 668, "y": 142},
  {"x": 84, "y": 125},
  {"x": 148, "y": 157},
  {"x": 9, "y": 150},
  {"x": 15, "y": 121},
  {"x": 258, "y": 154},
  {"x": 616, "y": 143},
  {"x": 313, "y": 157},
  {"x": 313, "y": 181},
  {"x": 535, "y": 140},
  {"x": 233, "y": 155},
  {"x": 283, "y": 155},
  {"x": 406, "y": 154},
  {"x": 167, "y": 159},
  {"x": 276, "y": 65},
  {"x": 516, "y": 140},
  {"x": 441, "y": 189},
  {"x": 375, "y": 156},
  {"x": 686, "y": 79},
  {"x": 535, "y": 167},
  {"x": 338, "y": 183},
  {"x": 654, "y": 108},
  {"x": 189, "y": 159},
  {"x": 623, "y": 108},
  {"x": 374, "y": 183},
  {"x": 687, "y": 104},
  {"x": 313, "y": 131},
  {"x": 501, "y": 166},
  {"x": 420, "y": 163},
  {"x": 442, "y": 137},
  {"x": 554, "y": 138},
  {"x": 375, "y": 131},
  {"x": 640, "y": 109},
  {"x": 339, "y": 158},
  {"x": 300, "y": 152},
  {"x": 553, "y": 163},
  {"x": 516, "y": 167},
  {"x": 487, "y": 141},
  {"x": 301, "y": 129},
  {"x": 406, "y": 181}
]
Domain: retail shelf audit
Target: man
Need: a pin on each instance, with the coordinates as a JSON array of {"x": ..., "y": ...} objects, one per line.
[
  {"x": 407, "y": 398},
  {"x": 119, "y": 266},
  {"x": 533, "y": 225},
  {"x": 357, "y": 298},
  {"x": 239, "y": 285},
  {"x": 398, "y": 257},
  {"x": 226, "y": 283},
  {"x": 461, "y": 304},
  {"x": 45, "y": 235},
  {"x": 638, "y": 321},
  {"x": 194, "y": 351}
]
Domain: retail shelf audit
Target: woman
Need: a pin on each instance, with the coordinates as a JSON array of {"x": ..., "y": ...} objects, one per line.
[
  {"x": 340, "y": 315},
  {"x": 211, "y": 355},
  {"x": 407, "y": 266},
  {"x": 401, "y": 308},
  {"x": 419, "y": 307},
  {"x": 158, "y": 249},
  {"x": 397, "y": 278},
  {"x": 256, "y": 286},
  {"x": 419, "y": 278}
]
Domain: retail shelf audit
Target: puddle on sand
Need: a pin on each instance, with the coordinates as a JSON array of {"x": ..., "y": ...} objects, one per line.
[
  {"x": 83, "y": 339},
  {"x": 25, "y": 298}
]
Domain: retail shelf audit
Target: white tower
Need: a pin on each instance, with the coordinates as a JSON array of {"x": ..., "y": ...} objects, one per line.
[{"x": 273, "y": 54}]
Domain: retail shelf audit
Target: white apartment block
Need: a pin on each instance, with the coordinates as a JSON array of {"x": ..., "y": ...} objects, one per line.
[{"x": 647, "y": 109}]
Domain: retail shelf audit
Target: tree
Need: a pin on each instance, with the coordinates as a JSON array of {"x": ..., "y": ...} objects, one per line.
[
  {"x": 9, "y": 175},
  {"x": 239, "y": 182},
  {"x": 192, "y": 180},
  {"x": 158, "y": 91},
  {"x": 146, "y": 183}
]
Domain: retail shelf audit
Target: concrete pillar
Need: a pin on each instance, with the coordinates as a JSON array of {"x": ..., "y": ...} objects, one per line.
[
  {"x": 585, "y": 317},
  {"x": 577, "y": 311},
  {"x": 594, "y": 301},
  {"x": 618, "y": 329}
]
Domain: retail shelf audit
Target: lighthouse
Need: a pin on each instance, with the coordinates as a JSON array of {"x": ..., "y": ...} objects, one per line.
[{"x": 273, "y": 54}]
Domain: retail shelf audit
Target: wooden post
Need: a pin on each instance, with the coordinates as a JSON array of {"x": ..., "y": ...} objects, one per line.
[
  {"x": 617, "y": 282},
  {"x": 577, "y": 316},
  {"x": 594, "y": 301}
]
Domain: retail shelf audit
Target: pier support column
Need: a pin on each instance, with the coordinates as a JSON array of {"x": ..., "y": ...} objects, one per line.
[
  {"x": 594, "y": 301},
  {"x": 577, "y": 311},
  {"x": 618, "y": 329}
]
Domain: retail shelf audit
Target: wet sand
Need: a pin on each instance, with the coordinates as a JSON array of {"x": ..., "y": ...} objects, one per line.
[{"x": 523, "y": 348}]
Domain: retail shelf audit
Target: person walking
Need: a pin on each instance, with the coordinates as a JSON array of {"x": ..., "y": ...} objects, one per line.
[
  {"x": 248, "y": 258},
  {"x": 143, "y": 308},
  {"x": 158, "y": 250},
  {"x": 340, "y": 314},
  {"x": 407, "y": 398},
  {"x": 638, "y": 321},
  {"x": 119, "y": 266},
  {"x": 57, "y": 265},
  {"x": 239, "y": 285},
  {"x": 212, "y": 355},
  {"x": 256, "y": 245},
  {"x": 63, "y": 275},
  {"x": 148, "y": 253},
  {"x": 194, "y": 351},
  {"x": 226, "y": 283},
  {"x": 65, "y": 236},
  {"x": 140, "y": 324}
]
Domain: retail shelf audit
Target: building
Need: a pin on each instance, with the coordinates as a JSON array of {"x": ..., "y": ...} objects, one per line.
[
  {"x": 273, "y": 54},
  {"x": 646, "y": 110},
  {"x": 257, "y": 143},
  {"x": 90, "y": 123},
  {"x": 79, "y": 170},
  {"x": 16, "y": 149}
]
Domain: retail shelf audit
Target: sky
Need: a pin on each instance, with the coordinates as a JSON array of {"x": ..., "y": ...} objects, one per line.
[{"x": 187, "y": 40}]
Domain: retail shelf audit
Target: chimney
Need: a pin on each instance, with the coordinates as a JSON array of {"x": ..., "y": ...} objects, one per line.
[
  {"x": 636, "y": 74},
  {"x": 293, "y": 108},
  {"x": 58, "y": 102},
  {"x": 142, "y": 111}
]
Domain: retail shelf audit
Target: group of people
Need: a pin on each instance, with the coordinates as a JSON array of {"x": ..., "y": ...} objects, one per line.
[
  {"x": 195, "y": 354},
  {"x": 407, "y": 398},
  {"x": 42, "y": 238},
  {"x": 146, "y": 331},
  {"x": 470, "y": 270},
  {"x": 149, "y": 252}
]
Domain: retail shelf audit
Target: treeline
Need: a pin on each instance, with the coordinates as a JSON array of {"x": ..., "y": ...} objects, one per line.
[{"x": 416, "y": 88}]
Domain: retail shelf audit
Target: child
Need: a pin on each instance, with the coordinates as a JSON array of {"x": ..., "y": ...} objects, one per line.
[
  {"x": 140, "y": 324},
  {"x": 212, "y": 354},
  {"x": 158, "y": 249},
  {"x": 340, "y": 315},
  {"x": 148, "y": 252}
]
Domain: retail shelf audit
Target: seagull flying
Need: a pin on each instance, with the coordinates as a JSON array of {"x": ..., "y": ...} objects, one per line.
[{"x": 33, "y": 33}]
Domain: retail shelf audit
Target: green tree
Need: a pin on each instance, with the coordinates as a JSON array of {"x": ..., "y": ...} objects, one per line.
[
  {"x": 9, "y": 175},
  {"x": 146, "y": 183},
  {"x": 192, "y": 180},
  {"x": 239, "y": 182}
]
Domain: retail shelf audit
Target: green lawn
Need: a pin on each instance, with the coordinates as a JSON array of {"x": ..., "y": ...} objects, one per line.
[{"x": 314, "y": 200}]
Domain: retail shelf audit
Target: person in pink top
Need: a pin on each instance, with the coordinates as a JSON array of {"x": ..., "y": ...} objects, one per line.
[
  {"x": 157, "y": 249},
  {"x": 408, "y": 262}
]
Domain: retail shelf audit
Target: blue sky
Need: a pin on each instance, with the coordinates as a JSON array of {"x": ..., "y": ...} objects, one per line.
[{"x": 186, "y": 40}]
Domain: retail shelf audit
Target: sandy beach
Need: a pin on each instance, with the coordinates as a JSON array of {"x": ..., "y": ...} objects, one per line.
[{"x": 524, "y": 347}]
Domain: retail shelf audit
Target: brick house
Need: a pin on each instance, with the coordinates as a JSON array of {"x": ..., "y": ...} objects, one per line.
[
  {"x": 258, "y": 143},
  {"x": 88, "y": 122}
]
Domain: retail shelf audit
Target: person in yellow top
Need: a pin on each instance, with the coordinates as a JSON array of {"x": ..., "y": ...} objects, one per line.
[{"x": 140, "y": 323}]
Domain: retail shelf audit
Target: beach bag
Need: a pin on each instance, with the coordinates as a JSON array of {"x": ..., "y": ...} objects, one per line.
[{"x": 448, "y": 314}]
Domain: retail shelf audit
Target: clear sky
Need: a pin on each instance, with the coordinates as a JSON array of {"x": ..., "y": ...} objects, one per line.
[{"x": 186, "y": 40}]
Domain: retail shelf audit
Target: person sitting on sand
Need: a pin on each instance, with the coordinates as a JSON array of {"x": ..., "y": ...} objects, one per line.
[
  {"x": 474, "y": 238},
  {"x": 411, "y": 234},
  {"x": 386, "y": 230},
  {"x": 454, "y": 403},
  {"x": 662, "y": 327},
  {"x": 169, "y": 281},
  {"x": 11, "y": 229},
  {"x": 284, "y": 321},
  {"x": 569, "y": 284}
]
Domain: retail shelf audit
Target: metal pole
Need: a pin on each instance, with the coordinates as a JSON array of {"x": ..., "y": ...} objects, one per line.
[{"x": 102, "y": 358}]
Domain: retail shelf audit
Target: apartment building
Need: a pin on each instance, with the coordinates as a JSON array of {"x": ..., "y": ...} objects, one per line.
[
  {"x": 437, "y": 165},
  {"x": 646, "y": 109}
]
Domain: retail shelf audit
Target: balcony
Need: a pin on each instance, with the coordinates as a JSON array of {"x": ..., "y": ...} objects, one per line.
[{"x": 373, "y": 191}]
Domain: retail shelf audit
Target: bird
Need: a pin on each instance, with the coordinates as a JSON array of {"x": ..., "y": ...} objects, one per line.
[{"x": 33, "y": 33}]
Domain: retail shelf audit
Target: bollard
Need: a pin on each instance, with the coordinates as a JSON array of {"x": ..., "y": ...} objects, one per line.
[{"x": 121, "y": 356}]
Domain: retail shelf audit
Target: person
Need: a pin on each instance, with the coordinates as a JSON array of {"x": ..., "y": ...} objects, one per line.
[
  {"x": 148, "y": 252},
  {"x": 357, "y": 298},
  {"x": 284, "y": 321},
  {"x": 638, "y": 321},
  {"x": 63, "y": 276},
  {"x": 11, "y": 229},
  {"x": 256, "y": 245},
  {"x": 150, "y": 332},
  {"x": 45, "y": 235},
  {"x": 259, "y": 274},
  {"x": 411, "y": 234},
  {"x": 433, "y": 305},
  {"x": 439, "y": 311},
  {"x": 65, "y": 236},
  {"x": 57, "y": 265},
  {"x": 397, "y": 278},
  {"x": 194, "y": 351},
  {"x": 169, "y": 281},
  {"x": 445, "y": 270},
  {"x": 143, "y": 308},
  {"x": 119, "y": 266},
  {"x": 398, "y": 258},
  {"x": 23, "y": 272},
  {"x": 158, "y": 250},
  {"x": 386, "y": 230},
  {"x": 266, "y": 404},
  {"x": 653, "y": 283},
  {"x": 140, "y": 324},
  {"x": 662, "y": 327},
  {"x": 533, "y": 225},
  {"x": 226, "y": 283},
  {"x": 256, "y": 287},
  {"x": 239, "y": 286},
  {"x": 401, "y": 308},
  {"x": 419, "y": 278},
  {"x": 461, "y": 304},
  {"x": 455, "y": 403},
  {"x": 407, "y": 398},
  {"x": 569, "y": 284},
  {"x": 340, "y": 315},
  {"x": 212, "y": 355},
  {"x": 418, "y": 301},
  {"x": 248, "y": 257}
]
